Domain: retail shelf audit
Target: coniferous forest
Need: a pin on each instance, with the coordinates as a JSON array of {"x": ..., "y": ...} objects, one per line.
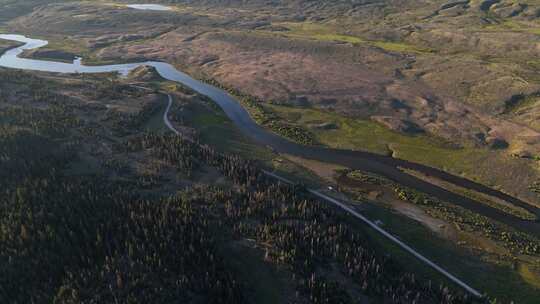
[{"x": 149, "y": 223}]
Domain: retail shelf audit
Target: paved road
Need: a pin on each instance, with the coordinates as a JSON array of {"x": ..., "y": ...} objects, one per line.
[
  {"x": 166, "y": 116},
  {"x": 355, "y": 214}
]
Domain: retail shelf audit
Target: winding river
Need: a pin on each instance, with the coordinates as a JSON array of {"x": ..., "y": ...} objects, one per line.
[{"x": 374, "y": 163}]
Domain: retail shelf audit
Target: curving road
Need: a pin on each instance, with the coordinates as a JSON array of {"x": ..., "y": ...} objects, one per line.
[{"x": 166, "y": 116}]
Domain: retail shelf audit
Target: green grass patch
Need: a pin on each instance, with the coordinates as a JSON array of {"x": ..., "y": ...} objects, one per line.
[
  {"x": 320, "y": 33},
  {"x": 339, "y": 38},
  {"x": 366, "y": 135},
  {"x": 359, "y": 134},
  {"x": 217, "y": 130},
  {"x": 155, "y": 121},
  {"x": 400, "y": 47},
  {"x": 325, "y": 32}
]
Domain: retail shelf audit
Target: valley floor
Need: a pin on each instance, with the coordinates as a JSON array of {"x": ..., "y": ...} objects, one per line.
[{"x": 451, "y": 87}]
